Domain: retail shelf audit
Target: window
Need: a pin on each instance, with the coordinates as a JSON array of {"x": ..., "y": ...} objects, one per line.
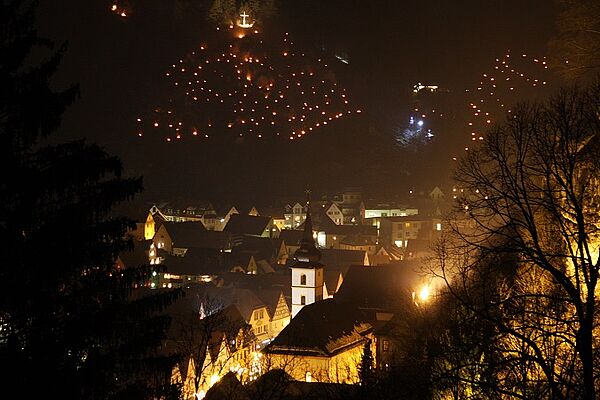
[
  {"x": 386, "y": 345},
  {"x": 308, "y": 377},
  {"x": 302, "y": 300},
  {"x": 303, "y": 279}
]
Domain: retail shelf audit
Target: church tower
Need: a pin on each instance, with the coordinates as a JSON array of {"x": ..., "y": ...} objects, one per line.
[{"x": 307, "y": 271}]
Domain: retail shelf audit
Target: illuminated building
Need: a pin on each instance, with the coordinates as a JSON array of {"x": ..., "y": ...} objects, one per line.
[{"x": 307, "y": 272}]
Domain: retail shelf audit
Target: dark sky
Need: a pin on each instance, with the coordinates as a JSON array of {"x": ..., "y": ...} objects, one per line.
[{"x": 119, "y": 63}]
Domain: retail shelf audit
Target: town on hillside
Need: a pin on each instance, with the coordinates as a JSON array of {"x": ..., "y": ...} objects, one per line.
[{"x": 301, "y": 288}]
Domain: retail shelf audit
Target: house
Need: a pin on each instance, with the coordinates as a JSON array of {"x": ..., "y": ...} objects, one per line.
[
  {"x": 250, "y": 225},
  {"x": 277, "y": 213},
  {"x": 274, "y": 251},
  {"x": 386, "y": 254},
  {"x": 341, "y": 260},
  {"x": 359, "y": 242},
  {"x": 224, "y": 216},
  {"x": 249, "y": 264},
  {"x": 330, "y": 235},
  {"x": 378, "y": 210},
  {"x": 291, "y": 238},
  {"x": 134, "y": 257},
  {"x": 253, "y": 310},
  {"x": 388, "y": 288},
  {"x": 195, "y": 266},
  {"x": 279, "y": 312},
  {"x": 294, "y": 215},
  {"x": 208, "y": 345},
  {"x": 177, "y": 237},
  {"x": 323, "y": 343},
  {"x": 399, "y": 230}
]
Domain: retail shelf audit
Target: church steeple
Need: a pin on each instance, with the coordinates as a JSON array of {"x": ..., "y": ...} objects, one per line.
[
  {"x": 307, "y": 272},
  {"x": 308, "y": 252}
]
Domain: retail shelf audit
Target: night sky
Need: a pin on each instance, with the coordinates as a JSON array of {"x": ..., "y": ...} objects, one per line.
[{"x": 120, "y": 65}]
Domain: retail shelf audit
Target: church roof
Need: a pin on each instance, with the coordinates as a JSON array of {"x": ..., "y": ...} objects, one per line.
[
  {"x": 307, "y": 255},
  {"x": 323, "y": 328}
]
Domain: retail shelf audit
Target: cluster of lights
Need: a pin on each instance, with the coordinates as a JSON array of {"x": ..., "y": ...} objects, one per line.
[
  {"x": 120, "y": 9},
  {"x": 501, "y": 87},
  {"x": 242, "y": 85}
]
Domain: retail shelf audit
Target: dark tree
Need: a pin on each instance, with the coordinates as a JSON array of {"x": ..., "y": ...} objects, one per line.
[
  {"x": 531, "y": 191},
  {"x": 575, "y": 49},
  {"x": 71, "y": 323},
  {"x": 366, "y": 369}
]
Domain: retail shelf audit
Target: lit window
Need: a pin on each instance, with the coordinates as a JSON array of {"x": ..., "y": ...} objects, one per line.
[
  {"x": 308, "y": 376},
  {"x": 386, "y": 345},
  {"x": 438, "y": 226}
]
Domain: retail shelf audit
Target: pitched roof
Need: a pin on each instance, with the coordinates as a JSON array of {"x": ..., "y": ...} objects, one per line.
[
  {"x": 137, "y": 255},
  {"x": 323, "y": 328},
  {"x": 291, "y": 237},
  {"x": 196, "y": 261},
  {"x": 270, "y": 298},
  {"x": 247, "y": 224},
  {"x": 384, "y": 287},
  {"x": 342, "y": 259},
  {"x": 277, "y": 384},
  {"x": 245, "y": 300},
  {"x": 185, "y": 234},
  {"x": 358, "y": 240},
  {"x": 260, "y": 247}
]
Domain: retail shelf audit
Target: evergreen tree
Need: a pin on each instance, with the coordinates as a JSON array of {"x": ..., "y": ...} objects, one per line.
[
  {"x": 366, "y": 371},
  {"x": 69, "y": 324},
  {"x": 216, "y": 12}
]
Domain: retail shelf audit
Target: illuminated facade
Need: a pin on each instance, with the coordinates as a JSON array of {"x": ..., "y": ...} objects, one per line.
[{"x": 307, "y": 271}]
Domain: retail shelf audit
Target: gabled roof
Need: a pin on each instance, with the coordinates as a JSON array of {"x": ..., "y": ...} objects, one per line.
[
  {"x": 137, "y": 255},
  {"x": 274, "y": 212},
  {"x": 323, "y": 328},
  {"x": 332, "y": 279},
  {"x": 245, "y": 300},
  {"x": 247, "y": 224},
  {"x": 358, "y": 240},
  {"x": 260, "y": 247},
  {"x": 196, "y": 261},
  {"x": 270, "y": 298},
  {"x": 342, "y": 259},
  {"x": 383, "y": 287},
  {"x": 291, "y": 237},
  {"x": 185, "y": 234}
]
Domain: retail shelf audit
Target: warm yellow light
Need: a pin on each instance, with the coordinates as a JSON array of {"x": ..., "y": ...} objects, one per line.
[
  {"x": 424, "y": 293},
  {"x": 214, "y": 379}
]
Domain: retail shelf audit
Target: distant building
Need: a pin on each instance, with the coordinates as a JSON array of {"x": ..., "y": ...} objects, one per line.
[
  {"x": 399, "y": 231},
  {"x": 323, "y": 343},
  {"x": 294, "y": 216},
  {"x": 307, "y": 272}
]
